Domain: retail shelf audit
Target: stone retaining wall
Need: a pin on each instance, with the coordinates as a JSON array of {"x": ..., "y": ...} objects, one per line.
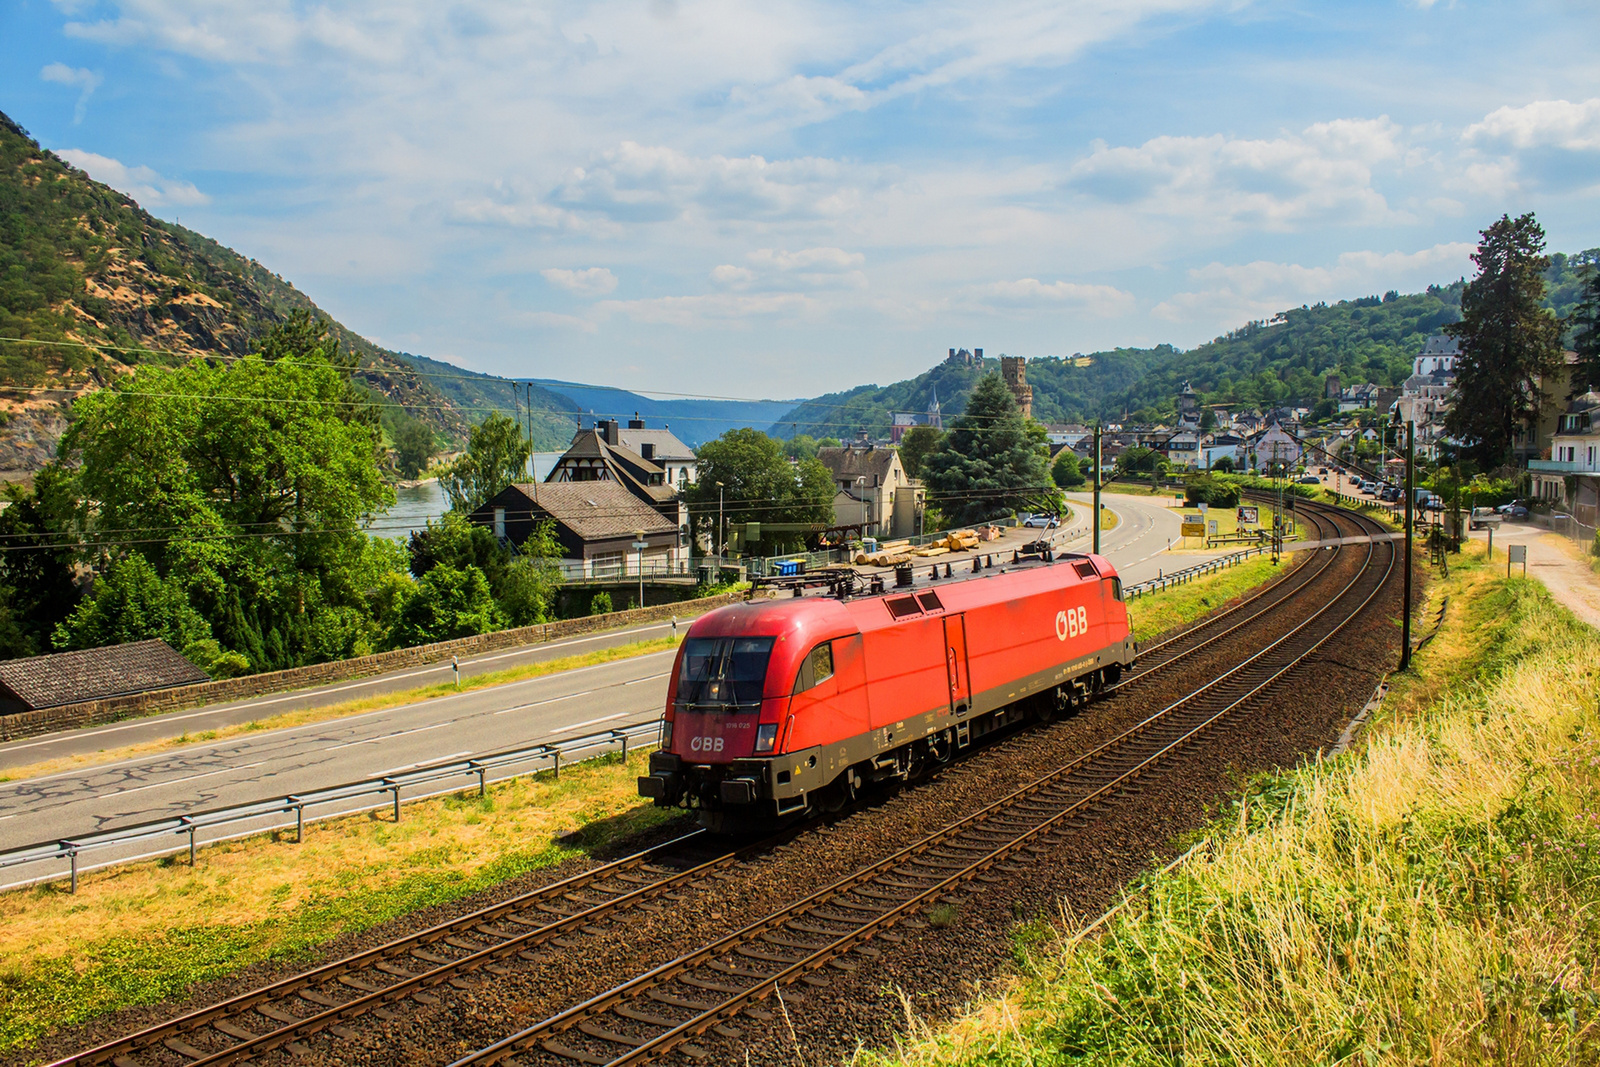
[{"x": 95, "y": 712}]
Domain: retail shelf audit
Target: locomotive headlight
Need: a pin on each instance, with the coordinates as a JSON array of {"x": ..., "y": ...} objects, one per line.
[
  {"x": 766, "y": 736},
  {"x": 666, "y": 733}
]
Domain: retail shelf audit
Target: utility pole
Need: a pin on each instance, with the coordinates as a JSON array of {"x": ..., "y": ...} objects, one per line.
[
  {"x": 1405, "y": 616},
  {"x": 721, "y": 532},
  {"x": 1096, "y": 515}
]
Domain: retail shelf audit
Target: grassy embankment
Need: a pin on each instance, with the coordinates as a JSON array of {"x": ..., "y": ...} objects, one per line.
[
  {"x": 1433, "y": 896},
  {"x": 346, "y": 707},
  {"x": 146, "y": 932}
]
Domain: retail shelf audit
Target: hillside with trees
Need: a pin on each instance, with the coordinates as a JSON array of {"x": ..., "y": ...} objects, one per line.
[
  {"x": 92, "y": 287},
  {"x": 1284, "y": 359}
]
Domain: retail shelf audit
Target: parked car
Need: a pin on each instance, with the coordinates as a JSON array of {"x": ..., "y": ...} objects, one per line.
[
  {"x": 1041, "y": 522},
  {"x": 1308, "y": 479},
  {"x": 1484, "y": 518},
  {"x": 1390, "y": 494}
]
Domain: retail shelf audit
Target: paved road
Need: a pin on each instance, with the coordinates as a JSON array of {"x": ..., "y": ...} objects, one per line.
[
  {"x": 197, "y": 720},
  {"x": 267, "y": 764}
]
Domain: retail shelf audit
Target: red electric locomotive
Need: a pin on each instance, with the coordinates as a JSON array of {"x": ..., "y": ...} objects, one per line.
[{"x": 779, "y": 707}]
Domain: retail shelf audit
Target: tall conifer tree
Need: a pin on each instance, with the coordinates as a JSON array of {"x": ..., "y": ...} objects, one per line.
[
  {"x": 1510, "y": 343},
  {"x": 987, "y": 464}
]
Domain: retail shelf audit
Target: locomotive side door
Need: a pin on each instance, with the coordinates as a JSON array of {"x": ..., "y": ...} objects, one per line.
[{"x": 955, "y": 662}]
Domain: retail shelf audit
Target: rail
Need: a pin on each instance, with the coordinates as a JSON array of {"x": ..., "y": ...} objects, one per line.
[{"x": 420, "y": 783}]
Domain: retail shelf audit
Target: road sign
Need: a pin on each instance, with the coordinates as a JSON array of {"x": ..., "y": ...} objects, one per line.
[
  {"x": 641, "y": 545},
  {"x": 1516, "y": 554},
  {"x": 1249, "y": 515},
  {"x": 1194, "y": 529}
]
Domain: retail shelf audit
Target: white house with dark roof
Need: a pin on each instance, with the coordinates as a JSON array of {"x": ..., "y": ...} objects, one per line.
[{"x": 661, "y": 447}]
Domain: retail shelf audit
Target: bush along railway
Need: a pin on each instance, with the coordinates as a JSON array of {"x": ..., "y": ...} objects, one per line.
[{"x": 671, "y": 1005}]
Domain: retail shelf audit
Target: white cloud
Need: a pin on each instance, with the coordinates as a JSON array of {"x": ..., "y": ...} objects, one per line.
[
  {"x": 720, "y": 308},
  {"x": 1542, "y": 124},
  {"x": 1103, "y": 300},
  {"x": 731, "y": 276},
  {"x": 653, "y": 183},
  {"x": 1324, "y": 173},
  {"x": 1231, "y": 294},
  {"x": 807, "y": 259},
  {"x": 592, "y": 281},
  {"x": 143, "y": 184},
  {"x": 85, "y": 81}
]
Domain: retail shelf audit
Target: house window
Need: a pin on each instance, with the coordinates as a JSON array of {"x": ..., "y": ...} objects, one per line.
[
  {"x": 606, "y": 564},
  {"x": 500, "y": 522}
]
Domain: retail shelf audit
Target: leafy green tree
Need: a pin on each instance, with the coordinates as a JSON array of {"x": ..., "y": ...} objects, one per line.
[
  {"x": 1509, "y": 341},
  {"x": 758, "y": 484},
  {"x": 496, "y": 456},
  {"x": 1066, "y": 471},
  {"x": 915, "y": 447},
  {"x": 36, "y": 567},
  {"x": 1206, "y": 489},
  {"x": 1140, "y": 460},
  {"x": 989, "y": 464},
  {"x": 1223, "y": 465},
  {"x": 802, "y": 446},
  {"x": 447, "y": 602},
  {"x": 414, "y": 447},
  {"x": 1208, "y": 420},
  {"x": 600, "y": 604},
  {"x": 1585, "y": 324},
  {"x": 131, "y": 602}
]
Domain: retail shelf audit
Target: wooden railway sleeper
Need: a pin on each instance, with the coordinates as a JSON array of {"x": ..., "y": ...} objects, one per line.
[
  {"x": 595, "y": 1030},
  {"x": 628, "y": 1011},
  {"x": 696, "y": 1006},
  {"x": 556, "y": 1048}
]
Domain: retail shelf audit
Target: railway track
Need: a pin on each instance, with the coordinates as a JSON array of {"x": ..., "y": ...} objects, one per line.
[
  {"x": 284, "y": 1013},
  {"x": 672, "y": 1005}
]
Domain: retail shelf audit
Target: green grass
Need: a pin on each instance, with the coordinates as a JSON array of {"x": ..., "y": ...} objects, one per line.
[
  {"x": 1432, "y": 897},
  {"x": 1161, "y": 611},
  {"x": 148, "y": 932}
]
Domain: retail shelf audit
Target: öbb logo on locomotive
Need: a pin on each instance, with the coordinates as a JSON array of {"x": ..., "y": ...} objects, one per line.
[
  {"x": 778, "y": 708},
  {"x": 1071, "y": 623}
]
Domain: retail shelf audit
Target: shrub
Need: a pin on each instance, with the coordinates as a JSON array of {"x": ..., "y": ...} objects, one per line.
[
  {"x": 600, "y": 604},
  {"x": 1206, "y": 489}
]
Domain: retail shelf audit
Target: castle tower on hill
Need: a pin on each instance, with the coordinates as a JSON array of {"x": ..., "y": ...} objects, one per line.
[{"x": 1014, "y": 370}]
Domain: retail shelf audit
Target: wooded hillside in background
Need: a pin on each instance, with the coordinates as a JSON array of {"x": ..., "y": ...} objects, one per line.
[{"x": 81, "y": 262}]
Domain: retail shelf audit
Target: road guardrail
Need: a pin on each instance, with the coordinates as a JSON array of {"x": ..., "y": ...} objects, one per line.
[{"x": 217, "y": 825}]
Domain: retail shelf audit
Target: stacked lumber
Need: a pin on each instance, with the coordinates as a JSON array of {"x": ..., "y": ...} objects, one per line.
[
  {"x": 883, "y": 559},
  {"x": 933, "y": 550},
  {"x": 961, "y": 541}
]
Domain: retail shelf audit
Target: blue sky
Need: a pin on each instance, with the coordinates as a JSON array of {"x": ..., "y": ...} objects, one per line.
[{"x": 789, "y": 197}]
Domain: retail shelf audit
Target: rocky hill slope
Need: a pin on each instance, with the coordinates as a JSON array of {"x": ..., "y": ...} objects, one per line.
[{"x": 91, "y": 285}]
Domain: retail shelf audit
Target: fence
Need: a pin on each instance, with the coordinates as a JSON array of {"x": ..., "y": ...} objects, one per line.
[
  {"x": 264, "y": 816},
  {"x": 1189, "y": 574},
  {"x": 627, "y": 566}
]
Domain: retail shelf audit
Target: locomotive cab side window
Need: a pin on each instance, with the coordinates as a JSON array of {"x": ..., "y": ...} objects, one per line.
[
  {"x": 1116, "y": 588},
  {"x": 816, "y": 668}
]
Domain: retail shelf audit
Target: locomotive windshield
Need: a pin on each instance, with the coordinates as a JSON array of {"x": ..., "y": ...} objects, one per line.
[{"x": 723, "y": 672}]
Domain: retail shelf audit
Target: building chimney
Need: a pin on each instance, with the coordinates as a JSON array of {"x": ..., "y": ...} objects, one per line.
[
  {"x": 608, "y": 430},
  {"x": 636, "y": 423}
]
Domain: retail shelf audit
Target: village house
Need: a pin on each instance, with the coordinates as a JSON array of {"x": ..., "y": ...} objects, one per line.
[
  {"x": 661, "y": 447},
  {"x": 597, "y": 522},
  {"x": 1570, "y": 478},
  {"x": 873, "y": 490}
]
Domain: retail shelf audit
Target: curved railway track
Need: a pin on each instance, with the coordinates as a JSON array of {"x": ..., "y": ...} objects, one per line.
[
  {"x": 282, "y": 1014},
  {"x": 669, "y": 1006}
]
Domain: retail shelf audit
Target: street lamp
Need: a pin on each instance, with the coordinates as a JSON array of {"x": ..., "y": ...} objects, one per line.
[
  {"x": 639, "y": 545},
  {"x": 861, "y": 487}
]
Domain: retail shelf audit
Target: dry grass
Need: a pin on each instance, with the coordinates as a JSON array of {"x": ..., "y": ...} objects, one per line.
[
  {"x": 1433, "y": 897},
  {"x": 341, "y": 709},
  {"x": 140, "y": 933}
]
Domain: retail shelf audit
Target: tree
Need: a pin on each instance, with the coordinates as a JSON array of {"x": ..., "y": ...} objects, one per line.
[
  {"x": 757, "y": 485},
  {"x": 1509, "y": 342},
  {"x": 131, "y": 602},
  {"x": 414, "y": 447},
  {"x": 1223, "y": 465},
  {"x": 917, "y": 444},
  {"x": 1585, "y": 324},
  {"x": 448, "y": 602},
  {"x": 803, "y": 446},
  {"x": 36, "y": 567},
  {"x": 1140, "y": 460},
  {"x": 988, "y": 464},
  {"x": 1208, "y": 420},
  {"x": 496, "y": 456},
  {"x": 1065, "y": 471}
]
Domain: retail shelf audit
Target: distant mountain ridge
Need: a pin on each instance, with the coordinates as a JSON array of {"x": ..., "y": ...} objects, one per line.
[{"x": 694, "y": 421}]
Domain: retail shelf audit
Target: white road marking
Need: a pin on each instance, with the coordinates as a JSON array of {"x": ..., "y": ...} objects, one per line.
[
  {"x": 386, "y": 737},
  {"x": 215, "y": 709},
  {"x": 424, "y": 763},
  {"x": 591, "y": 722},
  {"x": 176, "y": 781},
  {"x": 343, "y": 720}
]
